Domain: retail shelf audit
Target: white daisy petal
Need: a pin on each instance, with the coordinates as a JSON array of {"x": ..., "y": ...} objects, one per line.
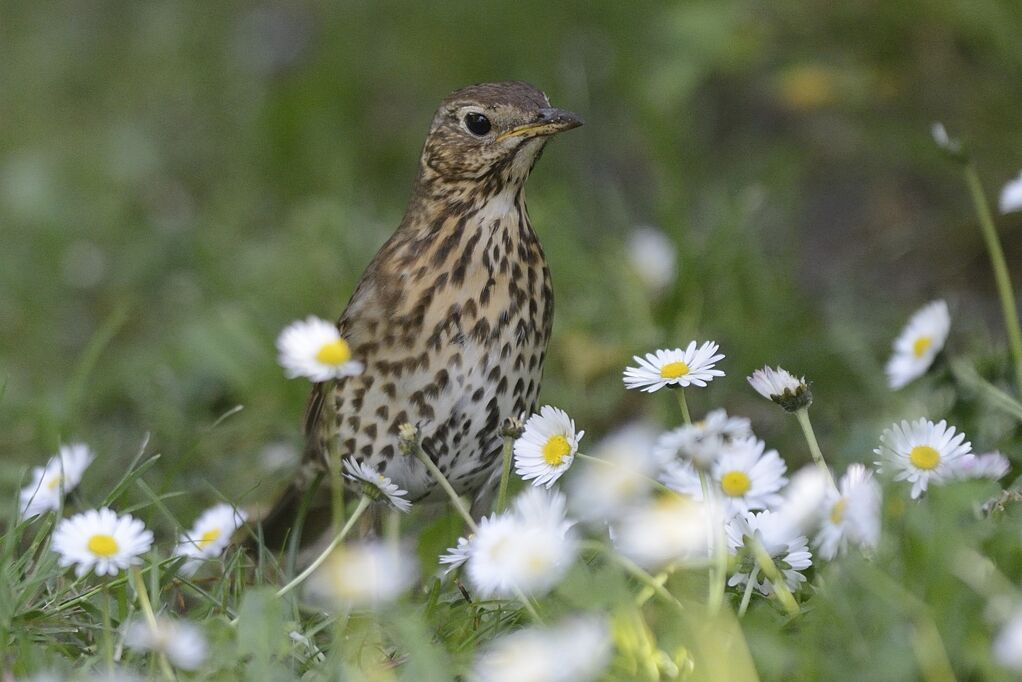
[
  {"x": 701, "y": 443},
  {"x": 669, "y": 529},
  {"x": 182, "y": 643},
  {"x": 367, "y": 575},
  {"x": 918, "y": 344},
  {"x": 782, "y": 387},
  {"x": 61, "y": 474},
  {"x": 546, "y": 447},
  {"x": 1011, "y": 196},
  {"x": 378, "y": 484},
  {"x": 689, "y": 367},
  {"x": 209, "y": 536},
  {"x": 851, "y": 514},
  {"x": 921, "y": 452},
  {"x": 313, "y": 348},
  {"x": 1007, "y": 647},
  {"x": 992, "y": 465},
  {"x": 577, "y": 650},
  {"x": 626, "y": 471},
  {"x": 100, "y": 541}
]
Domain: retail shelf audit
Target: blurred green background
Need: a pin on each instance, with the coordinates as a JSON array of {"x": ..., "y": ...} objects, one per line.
[{"x": 178, "y": 181}]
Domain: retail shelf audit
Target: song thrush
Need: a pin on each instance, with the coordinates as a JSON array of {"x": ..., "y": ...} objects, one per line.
[{"x": 452, "y": 317}]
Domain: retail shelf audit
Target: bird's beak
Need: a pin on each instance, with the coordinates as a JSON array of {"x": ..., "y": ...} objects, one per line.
[{"x": 548, "y": 122}]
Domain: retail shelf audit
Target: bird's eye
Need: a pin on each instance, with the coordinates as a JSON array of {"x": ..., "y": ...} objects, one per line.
[{"x": 477, "y": 124}]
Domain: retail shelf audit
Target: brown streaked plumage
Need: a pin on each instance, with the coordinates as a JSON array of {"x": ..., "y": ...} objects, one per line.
[{"x": 453, "y": 315}]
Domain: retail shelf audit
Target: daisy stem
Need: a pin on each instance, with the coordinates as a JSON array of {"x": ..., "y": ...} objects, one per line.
[
  {"x": 505, "y": 474},
  {"x": 747, "y": 595},
  {"x": 766, "y": 563},
  {"x": 439, "y": 477},
  {"x": 150, "y": 616},
  {"x": 533, "y": 613},
  {"x": 718, "y": 568},
  {"x": 1001, "y": 275},
  {"x": 637, "y": 572},
  {"x": 683, "y": 404},
  {"x": 108, "y": 641},
  {"x": 814, "y": 447},
  {"x": 363, "y": 504}
]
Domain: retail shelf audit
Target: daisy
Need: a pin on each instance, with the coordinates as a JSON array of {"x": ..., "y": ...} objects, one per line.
[
  {"x": 1011, "y": 196},
  {"x": 851, "y": 514},
  {"x": 701, "y": 442},
  {"x": 652, "y": 256},
  {"x": 745, "y": 476},
  {"x": 804, "y": 499},
  {"x": 314, "y": 349},
  {"x": 209, "y": 536},
  {"x": 690, "y": 367},
  {"x": 992, "y": 465},
  {"x": 546, "y": 447},
  {"x": 625, "y": 472},
  {"x": 790, "y": 552},
  {"x": 668, "y": 529},
  {"x": 526, "y": 551},
  {"x": 181, "y": 642},
  {"x": 62, "y": 474},
  {"x": 577, "y": 650},
  {"x": 1007, "y": 647},
  {"x": 456, "y": 557},
  {"x": 918, "y": 344},
  {"x": 947, "y": 143},
  {"x": 375, "y": 484},
  {"x": 368, "y": 575},
  {"x": 100, "y": 540},
  {"x": 921, "y": 451},
  {"x": 782, "y": 387}
]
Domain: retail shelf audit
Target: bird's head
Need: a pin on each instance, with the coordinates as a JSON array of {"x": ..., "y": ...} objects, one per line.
[{"x": 491, "y": 132}]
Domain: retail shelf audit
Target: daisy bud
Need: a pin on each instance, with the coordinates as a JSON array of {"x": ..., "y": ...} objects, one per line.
[
  {"x": 1011, "y": 196},
  {"x": 408, "y": 438},
  {"x": 782, "y": 387}
]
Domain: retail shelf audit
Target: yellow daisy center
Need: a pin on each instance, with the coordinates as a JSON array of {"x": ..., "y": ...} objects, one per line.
[
  {"x": 924, "y": 457},
  {"x": 54, "y": 482},
  {"x": 102, "y": 545},
  {"x": 209, "y": 536},
  {"x": 334, "y": 353},
  {"x": 921, "y": 345},
  {"x": 837, "y": 512},
  {"x": 555, "y": 450},
  {"x": 735, "y": 483},
  {"x": 673, "y": 370}
]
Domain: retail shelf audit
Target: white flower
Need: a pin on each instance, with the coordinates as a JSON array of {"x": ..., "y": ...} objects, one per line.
[
  {"x": 790, "y": 552},
  {"x": 652, "y": 255},
  {"x": 546, "y": 447},
  {"x": 690, "y": 367},
  {"x": 626, "y": 471},
  {"x": 944, "y": 141},
  {"x": 209, "y": 536},
  {"x": 528, "y": 550},
  {"x": 918, "y": 344},
  {"x": 992, "y": 465},
  {"x": 100, "y": 540},
  {"x": 804, "y": 499},
  {"x": 782, "y": 387},
  {"x": 458, "y": 555},
  {"x": 1011, "y": 196},
  {"x": 364, "y": 575},
  {"x": 314, "y": 349},
  {"x": 745, "y": 476},
  {"x": 920, "y": 452},
  {"x": 181, "y": 642},
  {"x": 62, "y": 474},
  {"x": 665, "y": 530},
  {"x": 1007, "y": 646},
  {"x": 577, "y": 650},
  {"x": 700, "y": 443},
  {"x": 376, "y": 484},
  {"x": 851, "y": 514}
]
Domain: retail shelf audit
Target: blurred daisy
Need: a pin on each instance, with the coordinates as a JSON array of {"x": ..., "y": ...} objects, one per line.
[
  {"x": 947, "y": 143},
  {"x": 652, "y": 256},
  {"x": 546, "y": 447},
  {"x": 700, "y": 443},
  {"x": 181, "y": 642},
  {"x": 851, "y": 514},
  {"x": 528, "y": 551},
  {"x": 690, "y": 367},
  {"x": 1007, "y": 647},
  {"x": 313, "y": 348},
  {"x": 100, "y": 540},
  {"x": 665, "y": 530},
  {"x": 782, "y": 387},
  {"x": 577, "y": 650},
  {"x": 790, "y": 552},
  {"x": 1011, "y": 196},
  {"x": 62, "y": 474},
  {"x": 920, "y": 452},
  {"x": 366, "y": 575},
  {"x": 209, "y": 536},
  {"x": 625, "y": 472},
  {"x": 918, "y": 344},
  {"x": 375, "y": 484},
  {"x": 745, "y": 475},
  {"x": 804, "y": 499},
  {"x": 992, "y": 465}
]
